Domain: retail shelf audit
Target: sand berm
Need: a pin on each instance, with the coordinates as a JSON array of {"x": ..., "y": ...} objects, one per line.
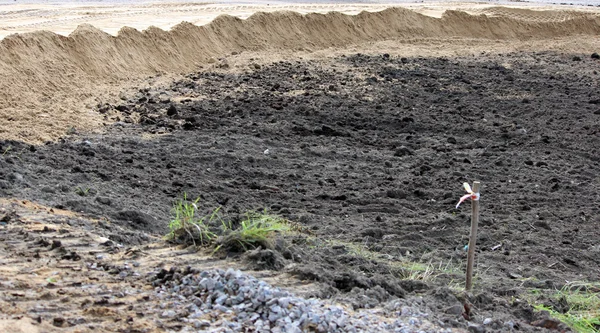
[{"x": 49, "y": 83}]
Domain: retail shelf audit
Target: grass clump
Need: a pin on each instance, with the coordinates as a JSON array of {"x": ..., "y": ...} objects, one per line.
[
  {"x": 8, "y": 149},
  {"x": 255, "y": 230},
  {"x": 187, "y": 226},
  {"x": 577, "y": 305},
  {"x": 82, "y": 191},
  {"x": 403, "y": 269}
]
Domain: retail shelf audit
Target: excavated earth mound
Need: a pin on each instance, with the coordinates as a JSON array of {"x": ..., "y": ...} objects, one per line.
[{"x": 49, "y": 82}]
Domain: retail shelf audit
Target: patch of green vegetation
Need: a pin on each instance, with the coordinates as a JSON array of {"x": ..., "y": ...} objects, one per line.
[
  {"x": 416, "y": 271},
  {"x": 402, "y": 269},
  {"x": 10, "y": 151},
  {"x": 82, "y": 191},
  {"x": 9, "y": 148},
  {"x": 256, "y": 230},
  {"x": 187, "y": 226},
  {"x": 577, "y": 304},
  {"x": 260, "y": 229},
  {"x": 535, "y": 292}
]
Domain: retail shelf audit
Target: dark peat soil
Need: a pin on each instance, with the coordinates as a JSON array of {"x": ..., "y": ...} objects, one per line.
[{"x": 368, "y": 150}]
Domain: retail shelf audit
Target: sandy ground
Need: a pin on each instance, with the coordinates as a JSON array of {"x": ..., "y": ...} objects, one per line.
[{"x": 64, "y": 17}]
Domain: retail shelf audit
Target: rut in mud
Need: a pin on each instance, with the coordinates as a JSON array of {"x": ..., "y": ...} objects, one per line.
[{"x": 361, "y": 149}]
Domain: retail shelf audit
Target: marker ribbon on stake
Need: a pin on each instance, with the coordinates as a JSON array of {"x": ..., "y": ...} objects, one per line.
[{"x": 471, "y": 195}]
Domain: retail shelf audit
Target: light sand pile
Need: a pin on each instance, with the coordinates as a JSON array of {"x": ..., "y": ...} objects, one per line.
[{"x": 46, "y": 80}]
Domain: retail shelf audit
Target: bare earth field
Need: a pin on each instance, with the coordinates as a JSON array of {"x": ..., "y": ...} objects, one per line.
[{"x": 359, "y": 128}]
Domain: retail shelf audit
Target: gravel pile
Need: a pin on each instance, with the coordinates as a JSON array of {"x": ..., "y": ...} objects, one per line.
[{"x": 231, "y": 301}]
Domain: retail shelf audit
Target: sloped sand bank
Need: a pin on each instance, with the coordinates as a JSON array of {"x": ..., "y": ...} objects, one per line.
[{"x": 49, "y": 83}]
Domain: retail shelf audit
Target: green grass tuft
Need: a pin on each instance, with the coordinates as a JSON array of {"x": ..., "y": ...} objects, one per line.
[
  {"x": 580, "y": 306},
  {"x": 82, "y": 191},
  {"x": 256, "y": 230},
  {"x": 186, "y": 225},
  {"x": 9, "y": 148},
  {"x": 402, "y": 269}
]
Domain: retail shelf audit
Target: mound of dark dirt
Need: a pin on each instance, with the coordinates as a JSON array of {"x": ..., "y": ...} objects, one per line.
[{"x": 364, "y": 149}]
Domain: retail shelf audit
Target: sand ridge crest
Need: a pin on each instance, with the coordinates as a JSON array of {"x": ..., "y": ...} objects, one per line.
[{"x": 48, "y": 78}]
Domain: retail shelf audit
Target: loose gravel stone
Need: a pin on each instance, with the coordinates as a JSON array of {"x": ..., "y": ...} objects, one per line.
[{"x": 238, "y": 302}]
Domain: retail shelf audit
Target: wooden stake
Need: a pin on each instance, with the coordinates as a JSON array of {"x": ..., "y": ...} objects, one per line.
[{"x": 473, "y": 237}]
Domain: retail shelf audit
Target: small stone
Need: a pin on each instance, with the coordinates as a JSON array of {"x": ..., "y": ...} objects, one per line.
[
  {"x": 487, "y": 321},
  {"x": 201, "y": 324},
  {"x": 576, "y": 58},
  {"x": 276, "y": 308},
  {"x": 543, "y": 225},
  {"x": 221, "y": 308},
  {"x": 595, "y": 55},
  {"x": 104, "y": 200},
  {"x": 405, "y": 311},
  {"x": 164, "y": 98},
  {"x": 455, "y": 310},
  {"x": 509, "y": 324},
  {"x": 273, "y": 317},
  {"x": 168, "y": 314},
  {"x": 15, "y": 177},
  {"x": 414, "y": 321},
  {"x": 172, "y": 110},
  {"x": 476, "y": 328},
  {"x": 403, "y": 151},
  {"x": 59, "y": 322},
  {"x": 321, "y": 328},
  {"x": 48, "y": 189},
  {"x": 221, "y": 299}
]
